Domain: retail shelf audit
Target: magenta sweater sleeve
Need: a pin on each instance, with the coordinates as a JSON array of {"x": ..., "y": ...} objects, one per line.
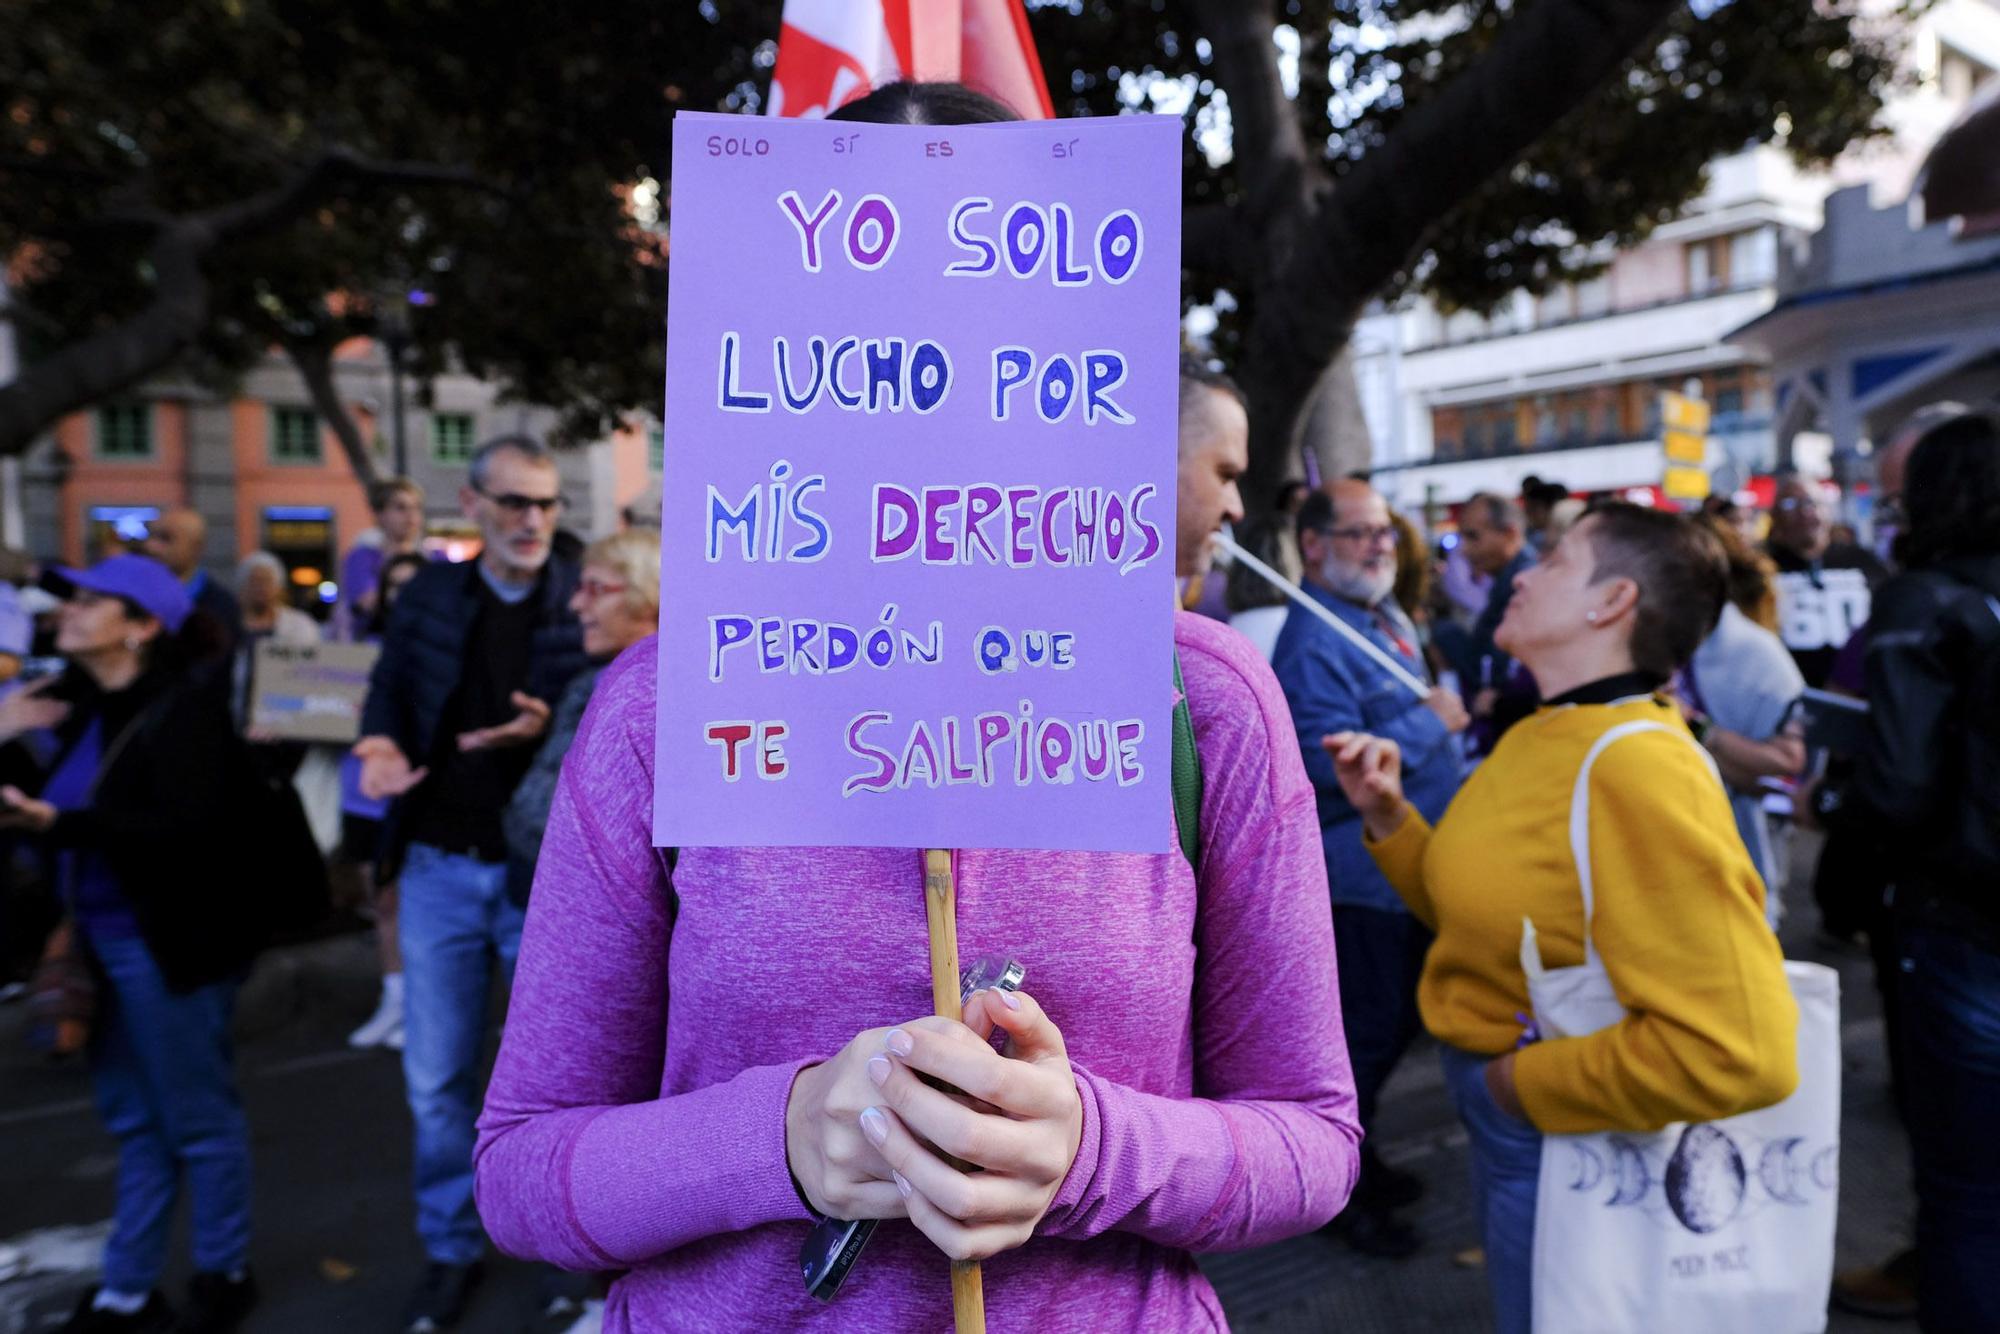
[
  {"x": 580, "y": 1161},
  {"x": 1269, "y": 1146}
]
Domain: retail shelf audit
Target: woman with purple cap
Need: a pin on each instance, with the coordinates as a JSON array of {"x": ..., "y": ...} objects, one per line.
[{"x": 132, "y": 810}]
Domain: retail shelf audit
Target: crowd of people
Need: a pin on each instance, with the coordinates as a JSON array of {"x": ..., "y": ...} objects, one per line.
[{"x": 1602, "y": 719}]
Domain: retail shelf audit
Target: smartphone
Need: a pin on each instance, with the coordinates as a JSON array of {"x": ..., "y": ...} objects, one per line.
[{"x": 834, "y": 1244}]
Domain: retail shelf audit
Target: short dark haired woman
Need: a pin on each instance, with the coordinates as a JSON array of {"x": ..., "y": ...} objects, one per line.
[
  {"x": 1927, "y": 786},
  {"x": 133, "y": 808},
  {"x": 1618, "y": 604}
]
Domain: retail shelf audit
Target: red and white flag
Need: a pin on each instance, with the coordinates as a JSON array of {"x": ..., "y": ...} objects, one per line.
[{"x": 833, "y": 51}]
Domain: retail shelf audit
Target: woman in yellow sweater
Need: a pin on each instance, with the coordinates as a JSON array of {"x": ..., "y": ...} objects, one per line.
[{"x": 1602, "y": 622}]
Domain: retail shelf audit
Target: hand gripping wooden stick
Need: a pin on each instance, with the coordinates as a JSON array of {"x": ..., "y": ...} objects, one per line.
[{"x": 968, "y": 1300}]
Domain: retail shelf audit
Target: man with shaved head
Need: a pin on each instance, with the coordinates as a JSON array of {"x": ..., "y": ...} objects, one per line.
[
  {"x": 1349, "y": 552},
  {"x": 176, "y": 539},
  {"x": 1214, "y": 452}
]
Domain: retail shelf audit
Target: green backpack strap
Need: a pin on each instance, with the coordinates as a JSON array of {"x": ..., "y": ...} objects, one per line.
[{"x": 1186, "y": 773}]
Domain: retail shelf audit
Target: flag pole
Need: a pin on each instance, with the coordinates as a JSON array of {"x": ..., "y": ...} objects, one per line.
[
  {"x": 968, "y": 1300},
  {"x": 1353, "y": 636}
]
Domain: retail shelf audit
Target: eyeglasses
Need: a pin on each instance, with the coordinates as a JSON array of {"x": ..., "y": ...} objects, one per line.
[
  {"x": 1791, "y": 503},
  {"x": 516, "y": 504},
  {"x": 1367, "y": 536},
  {"x": 597, "y": 588}
]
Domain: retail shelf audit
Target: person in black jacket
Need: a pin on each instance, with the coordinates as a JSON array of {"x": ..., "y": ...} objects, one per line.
[
  {"x": 137, "y": 797},
  {"x": 1927, "y": 784},
  {"x": 474, "y": 657},
  {"x": 176, "y": 540}
]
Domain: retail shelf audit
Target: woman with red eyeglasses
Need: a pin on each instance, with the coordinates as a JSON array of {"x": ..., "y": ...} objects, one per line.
[{"x": 617, "y": 602}]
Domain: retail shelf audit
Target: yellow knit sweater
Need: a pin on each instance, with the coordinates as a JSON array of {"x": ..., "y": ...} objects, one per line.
[{"x": 1679, "y": 925}]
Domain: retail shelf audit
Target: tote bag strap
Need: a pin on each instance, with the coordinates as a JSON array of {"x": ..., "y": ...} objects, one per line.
[{"x": 1579, "y": 816}]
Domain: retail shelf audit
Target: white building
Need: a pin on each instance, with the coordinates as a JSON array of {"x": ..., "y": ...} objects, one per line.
[{"x": 1567, "y": 386}]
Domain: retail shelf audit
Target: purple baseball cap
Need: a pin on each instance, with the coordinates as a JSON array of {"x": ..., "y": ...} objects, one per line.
[{"x": 147, "y": 583}]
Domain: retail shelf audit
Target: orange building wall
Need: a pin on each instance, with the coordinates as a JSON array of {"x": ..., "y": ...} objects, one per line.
[
  {"x": 160, "y": 480},
  {"x": 260, "y": 482}
]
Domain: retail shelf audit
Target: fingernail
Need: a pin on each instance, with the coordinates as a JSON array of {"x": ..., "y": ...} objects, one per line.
[
  {"x": 874, "y": 1125},
  {"x": 899, "y": 1042},
  {"x": 1010, "y": 1000},
  {"x": 901, "y": 1184},
  {"x": 878, "y": 1070}
]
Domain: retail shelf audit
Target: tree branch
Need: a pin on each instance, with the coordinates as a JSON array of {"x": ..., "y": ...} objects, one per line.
[
  {"x": 314, "y": 360},
  {"x": 1385, "y": 208},
  {"x": 1267, "y": 141},
  {"x": 94, "y": 368},
  {"x": 1212, "y": 240}
]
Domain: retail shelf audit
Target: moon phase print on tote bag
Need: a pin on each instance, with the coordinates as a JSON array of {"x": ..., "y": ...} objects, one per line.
[{"x": 1721, "y": 1226}]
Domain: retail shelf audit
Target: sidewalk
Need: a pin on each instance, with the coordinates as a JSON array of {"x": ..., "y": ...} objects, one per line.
[{"x": 335, "y": 1252}]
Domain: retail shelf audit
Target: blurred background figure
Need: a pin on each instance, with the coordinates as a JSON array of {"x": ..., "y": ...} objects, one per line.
[
  {"x": 617, "y": 602},
  {"x": 1927, "y": 785},
  {"x": 1740, "y": 690},
  {"x": 398, "y": 506},
  {"x": 1823, "y": 587},
  {"x": 177, "y": 539},
  {"x": 361, "y": 835},
  {"x": 135, "y": 806},
  {"x": 1349, "y": 546},
  {"x": 1493, "y": 535},
  {"x": 1257, "y": 608}
]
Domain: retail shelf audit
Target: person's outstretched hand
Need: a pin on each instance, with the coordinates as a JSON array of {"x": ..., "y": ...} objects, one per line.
[
  {"x": 30, "y": 709},
  {"x": 18, "y": 810},
  {"x": 1370, "y": 770},
  {"x": 385, "y": 770},
  {"x": 524, "y": 728}
]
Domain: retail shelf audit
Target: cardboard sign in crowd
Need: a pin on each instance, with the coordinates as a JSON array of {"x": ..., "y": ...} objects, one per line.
[{"x": 918, "y": 495}]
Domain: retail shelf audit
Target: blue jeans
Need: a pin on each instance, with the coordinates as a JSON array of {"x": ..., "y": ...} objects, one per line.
[
  {"x": 1506, "y": 1169},
  {"x": 164, "y": 1072},
  {"x": 456, "y": 923},
  {"x": 1950, "y": 993}
]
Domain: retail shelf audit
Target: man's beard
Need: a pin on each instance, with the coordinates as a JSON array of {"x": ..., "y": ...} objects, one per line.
[{"x": 1357, "y": 583}]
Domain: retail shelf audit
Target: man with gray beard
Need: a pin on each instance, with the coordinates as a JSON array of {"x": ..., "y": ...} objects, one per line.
[{"x": 1349, "y": 553}]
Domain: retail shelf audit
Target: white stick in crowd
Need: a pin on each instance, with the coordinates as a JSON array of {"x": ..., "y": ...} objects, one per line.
[{"x": 1298, "y": 595}]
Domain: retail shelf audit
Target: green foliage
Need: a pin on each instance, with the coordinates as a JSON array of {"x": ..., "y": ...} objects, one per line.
[
  {"x": 1616, "y": 167},
  {"x": 546, "y": 115},
  {"x": 538, "y": 274}
]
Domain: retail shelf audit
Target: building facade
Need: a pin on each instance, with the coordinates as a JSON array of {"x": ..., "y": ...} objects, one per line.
[
  {"x": 265, "y": 470},
  {"x": 1568, "y": 386}
]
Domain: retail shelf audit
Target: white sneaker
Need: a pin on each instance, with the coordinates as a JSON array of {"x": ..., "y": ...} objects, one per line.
[{"x": 387, "y": 1019}]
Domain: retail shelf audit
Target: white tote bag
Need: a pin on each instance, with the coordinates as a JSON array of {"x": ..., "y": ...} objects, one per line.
[{"x": 1723, "y": 1226}]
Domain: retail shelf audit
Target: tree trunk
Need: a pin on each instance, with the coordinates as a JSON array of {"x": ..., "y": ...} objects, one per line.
[
  {"x": 92, "y": 370},
  {"x": 1318, "y": 251},
  {"x": 1336, "y": 429},
  {"x": 315, "y": 366}
]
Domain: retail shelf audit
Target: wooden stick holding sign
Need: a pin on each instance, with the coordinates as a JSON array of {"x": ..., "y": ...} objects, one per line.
[
  {"x": 968, "y": 1299},
  {"x": 1299, "y": 595}
]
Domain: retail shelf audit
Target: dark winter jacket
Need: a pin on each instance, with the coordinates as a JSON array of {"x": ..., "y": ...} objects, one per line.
[
  {"x": 1928, "y": 780},
  {"x": 423, "y": 659},
  {"x": 187, "y": 825},
  {"x": 528, "y": 813}
]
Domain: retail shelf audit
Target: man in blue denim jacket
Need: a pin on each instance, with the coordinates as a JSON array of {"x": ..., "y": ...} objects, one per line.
[{"x": 1349, "y": 553}]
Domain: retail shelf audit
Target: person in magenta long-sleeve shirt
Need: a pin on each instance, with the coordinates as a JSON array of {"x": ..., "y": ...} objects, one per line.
[{"x": 668, "y": 1013}]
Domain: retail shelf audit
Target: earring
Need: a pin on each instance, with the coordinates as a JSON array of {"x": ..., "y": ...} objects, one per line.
[{"x": 1590, "y": 616}]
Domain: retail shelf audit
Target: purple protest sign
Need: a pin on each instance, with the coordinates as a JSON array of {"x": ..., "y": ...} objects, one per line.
[{"x": 918, "y": 496}]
